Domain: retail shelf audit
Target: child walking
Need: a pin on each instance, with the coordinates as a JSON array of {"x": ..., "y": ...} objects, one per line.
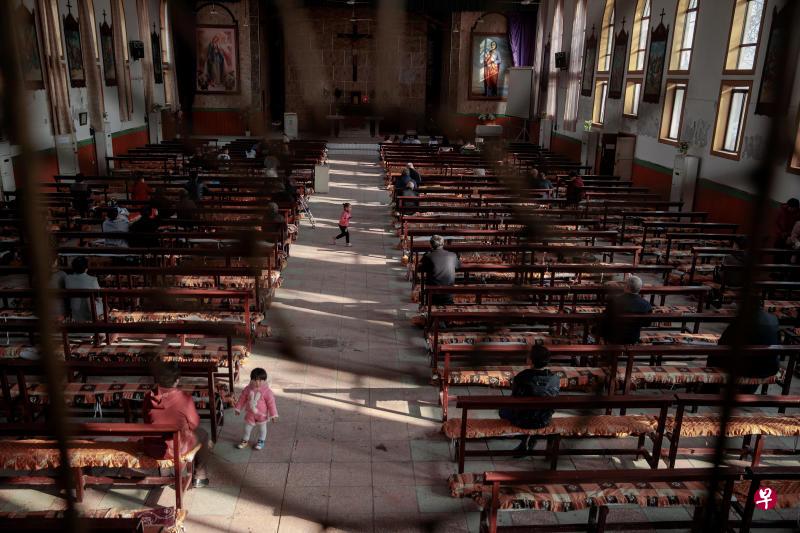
[
  {"x": 344, "y": 224},
  {"x": 258, "y": 403}
]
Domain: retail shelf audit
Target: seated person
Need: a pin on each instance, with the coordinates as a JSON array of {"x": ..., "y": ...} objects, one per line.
[
  {"x": 763, "y": 331},
  {"x": 185, "y": 206},
  {"x": 540, "y": 181},
  {"x": 80, "y": 279},
  {"x": 735, "y": 277},
  {"x": 788, "y": 216},
  {"x": 148, "y": 223},
  {"x": 116, "y": 222},
  {"x": 162, "y": 203},
  {"x": 196, "y": 187},
  {"x": 414, "y": 174},
  {"x": 224, "y": 155},
  {"x": 575, "y": 192},
  {"x": 793, "y": 242},
  {"x": 439, "y": 268},
  {"x": 616, "y": 330},
  {"x": 168, "y": 404},
  {"x": 141, "y": 191},
  {"x": 536, "y": 382},
  {"x": 198, "y": 160},
  {"x": 405, "y": 184}
]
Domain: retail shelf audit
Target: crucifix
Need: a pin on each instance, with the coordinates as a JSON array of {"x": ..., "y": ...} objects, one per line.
[{"x": 354, "y": 36}]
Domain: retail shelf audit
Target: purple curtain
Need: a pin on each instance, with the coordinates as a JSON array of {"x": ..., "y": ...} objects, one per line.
[{"x": 522, "y": 36}]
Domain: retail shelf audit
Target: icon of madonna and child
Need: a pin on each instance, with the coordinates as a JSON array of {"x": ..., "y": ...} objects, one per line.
[
  {"x": 491, "y": 58},
  {"x": 217, "y": 65}
]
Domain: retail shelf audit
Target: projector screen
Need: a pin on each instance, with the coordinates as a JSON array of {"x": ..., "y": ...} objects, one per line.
[{"x": 520, "y": 82}]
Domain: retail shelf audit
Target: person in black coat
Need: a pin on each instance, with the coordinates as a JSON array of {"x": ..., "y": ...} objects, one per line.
[
  {"x": 439, "y": 268},
  {"x": 616, "y": 330},
  {"x": 763, "y": 331}
]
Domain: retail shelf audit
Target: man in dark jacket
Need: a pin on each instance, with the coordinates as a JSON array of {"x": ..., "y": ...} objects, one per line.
[
  {"x": 763, "y": 331},
  {"x": 536, "y": 382},
  {"x": 439, "y": 268},
  {"x": 616, "y": 330}
]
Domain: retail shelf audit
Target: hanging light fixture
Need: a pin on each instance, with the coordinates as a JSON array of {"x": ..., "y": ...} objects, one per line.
[{"x": 213, "y": 8}]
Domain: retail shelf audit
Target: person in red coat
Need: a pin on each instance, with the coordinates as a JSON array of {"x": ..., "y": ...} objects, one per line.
[
  {"x": 141, "y": 191},
  {"x": 168, "y": 404}
]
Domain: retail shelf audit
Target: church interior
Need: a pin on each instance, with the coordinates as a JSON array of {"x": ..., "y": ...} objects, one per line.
[{"x": 399, "y": 266}]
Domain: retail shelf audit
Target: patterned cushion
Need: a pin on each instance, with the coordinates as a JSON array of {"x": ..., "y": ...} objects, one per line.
[
  {"x": 682, "y": 375},
  {"x": 669, "y": 337},
  {"x": 166, "y": 518},
  {"x": 572, "y": 497},
  {"x": 503, "y": 336},
  {"x": 573, "y": 426},
  {"x": 781, "y": 309},
  {"x": 787, "y": 492},
  {"x": 216, "y": 353},
  {"x": 37, "y": 454},
  {"x": 466, "y": 485},
  {"x": 739, "y": 426},
  {"x": 570, "y": 377},
  {"x": 234, "y": 317}
]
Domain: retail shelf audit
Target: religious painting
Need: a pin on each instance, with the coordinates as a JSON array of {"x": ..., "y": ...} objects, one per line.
[
  {"x": 107, "y": 52},
  {"x": 656, "y": 59},
  {"x": 490, "y": 60},
  {"x": 72, "y": 37},
  {"x": 769, "y": 92},
  {"x": 158, "y": 71},
  {"x": 217, "y": 59},
  {"x": 589, "y": 63},
  {"x": 28, "y": 48},
  {"x": 618, "y": 65}
]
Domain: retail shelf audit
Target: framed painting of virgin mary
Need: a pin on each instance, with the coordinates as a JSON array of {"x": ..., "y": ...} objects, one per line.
[
  {"x": 490, "y": 59},
  {"x": 217, "y": 59}
]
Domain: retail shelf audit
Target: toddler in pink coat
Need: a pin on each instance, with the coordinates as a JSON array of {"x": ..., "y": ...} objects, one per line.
[{"x": 258, "y": 403}]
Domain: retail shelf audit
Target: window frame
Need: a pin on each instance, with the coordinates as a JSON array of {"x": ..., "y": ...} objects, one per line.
[
  {"x": 737, "y": 71},
  {"x": 717, "y": 149},
  {"x": 677, "y": 46},
  {"x": 636, "y": 35},
  {"x": 606, "y": 37},
  {"x": 637, "y": 100},
  {"x": 670, "y": 99},
  {"x": 597, "y": 94},
  {"x": 793, "y": 165}
]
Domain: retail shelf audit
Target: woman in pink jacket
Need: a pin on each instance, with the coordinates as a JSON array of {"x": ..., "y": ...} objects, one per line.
[{"x": 258, "y": 403}]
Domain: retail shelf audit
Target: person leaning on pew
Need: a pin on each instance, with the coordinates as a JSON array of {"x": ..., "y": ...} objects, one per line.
[
  {"x": 615, "y": 330},
  {"x": 80, "y": 279},
  {"x": 536, "y": 382},
  {"x": 168, "y": 404}
]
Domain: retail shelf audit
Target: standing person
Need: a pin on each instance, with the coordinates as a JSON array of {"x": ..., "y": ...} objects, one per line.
[
  {"x": 620, "y": 331},
  {"x": 79, "y": 279},
  {"x": 344, "y": 225},
  {"x": 168, "y": 404},
  {"x": 439, "y": 268},
  {"x": 788, "y": 216},
  {"x": 258, "y": 403},
  {"x": 81, "y": 195},
  {"x": 536, "y": 382}
]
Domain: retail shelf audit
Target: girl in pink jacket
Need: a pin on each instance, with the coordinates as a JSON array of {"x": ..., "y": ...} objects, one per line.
[{"x": 258, "y": 403}]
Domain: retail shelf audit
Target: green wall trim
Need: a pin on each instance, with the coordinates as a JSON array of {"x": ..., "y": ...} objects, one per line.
[
  {"x": 566, "y": 137},
  {"x": 137, "y": 129},
  {"x": 498, "y": 115},
  {"x": 653, "y": 166},
  {"x": 217, "y": 109},
  {"x": 86, "y": 142}
]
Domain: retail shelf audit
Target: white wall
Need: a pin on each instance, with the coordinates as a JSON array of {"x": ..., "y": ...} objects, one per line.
[
  {"x": 38, "y": 113},
  {"x": 705, "y": 77}
]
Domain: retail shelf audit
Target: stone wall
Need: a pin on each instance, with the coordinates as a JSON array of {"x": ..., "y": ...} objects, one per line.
[{"x": 319, "y": 62}]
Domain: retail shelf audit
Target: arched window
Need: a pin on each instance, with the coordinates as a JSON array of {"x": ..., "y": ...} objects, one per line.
[
  {"x": 641, "y": 30},
  {"x": 538, "y": 59},
  {"x": 685, "y": 24},
  {"x": 606, "y": 38},
  {"x": 575, "y": 59},
  {"x": 744, "y": 36},
  {"x": 555, "y": 46}
]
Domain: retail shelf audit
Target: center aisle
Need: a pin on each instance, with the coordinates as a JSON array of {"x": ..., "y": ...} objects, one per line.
[{"x": 357, "y": 446}]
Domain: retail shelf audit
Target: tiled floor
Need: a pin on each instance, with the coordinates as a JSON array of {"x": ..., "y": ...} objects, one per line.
[{"x": 357, "y": 445}]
